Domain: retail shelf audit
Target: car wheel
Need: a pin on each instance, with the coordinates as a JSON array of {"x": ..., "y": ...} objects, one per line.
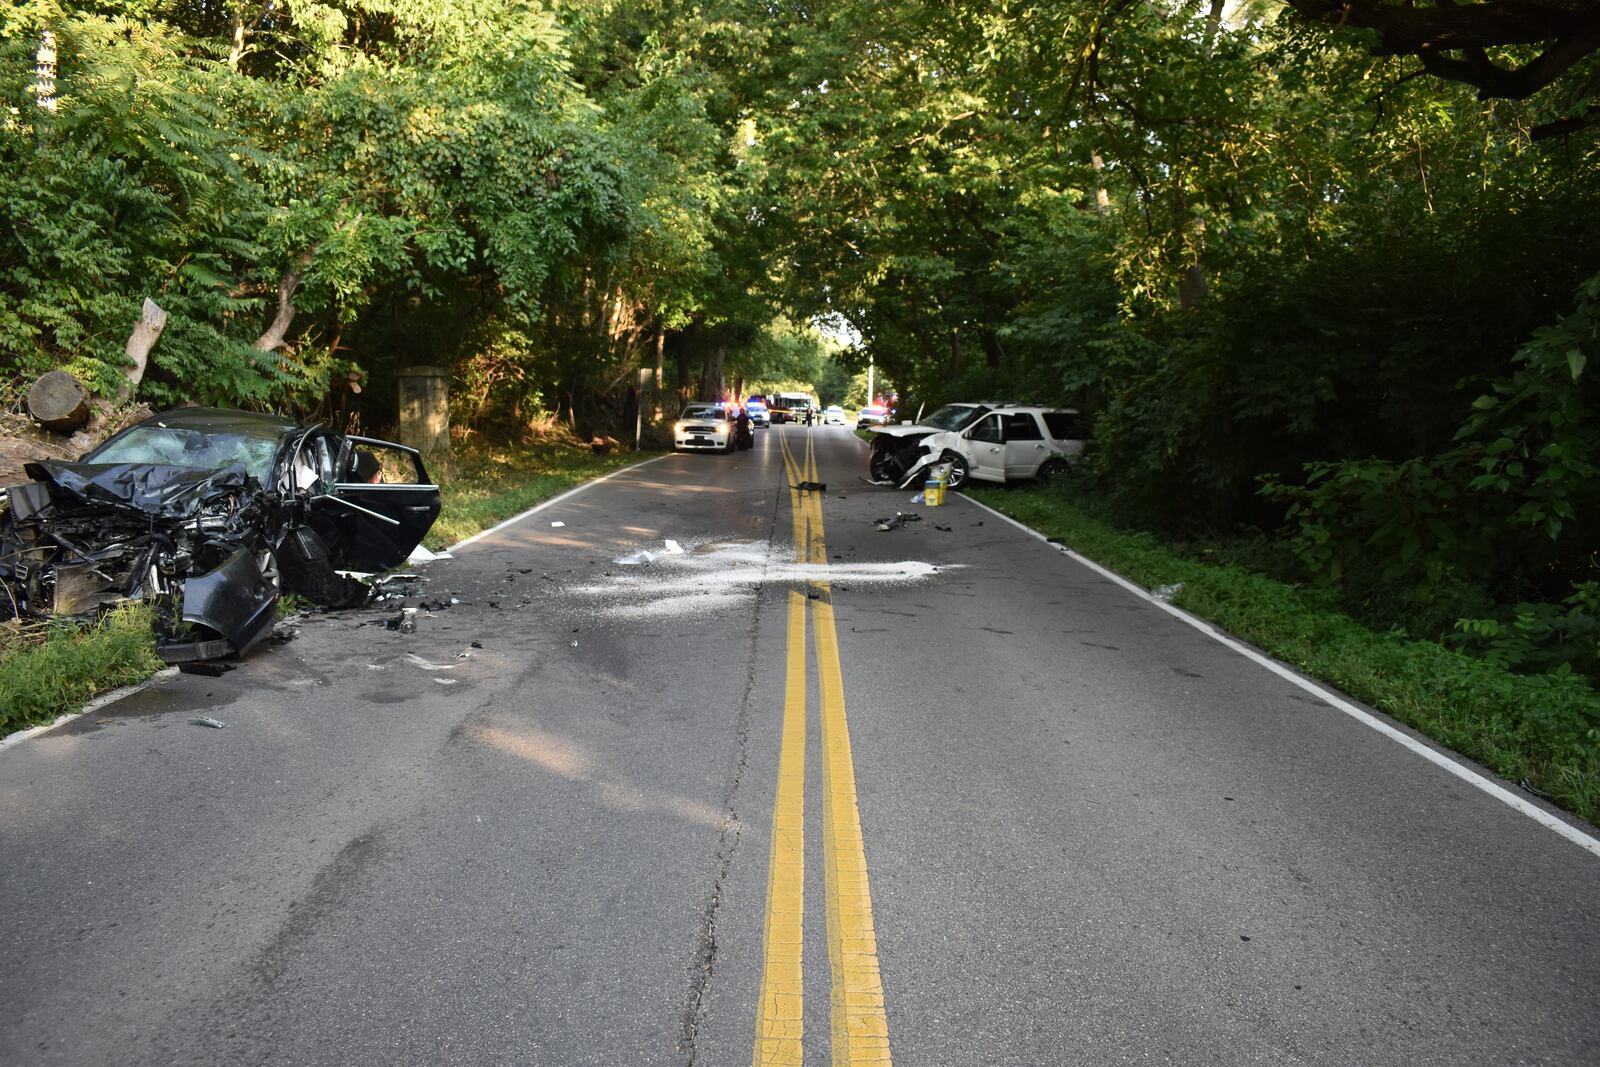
[
  {"x": 878, "y": 466},
  {"x": 267, "y": 563},
  {"x": 1053, "y": 472},
  {"x": 958, "y": 470}
]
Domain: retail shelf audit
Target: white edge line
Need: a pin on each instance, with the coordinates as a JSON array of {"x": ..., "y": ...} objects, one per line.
[
  {"x": 1432, "y": 755},
  {"x": 110, "y": 697},
  {"x": 558, "y": 498}
]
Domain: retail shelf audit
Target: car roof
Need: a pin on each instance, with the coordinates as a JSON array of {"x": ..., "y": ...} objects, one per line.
[{"x": 223, "y": 420}]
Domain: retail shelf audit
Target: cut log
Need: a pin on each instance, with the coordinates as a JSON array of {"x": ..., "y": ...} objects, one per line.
[{"x": 59, "y": 402}]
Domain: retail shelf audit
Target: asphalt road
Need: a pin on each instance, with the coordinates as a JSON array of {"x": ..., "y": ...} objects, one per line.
[{"x": 1024, "y": 817}]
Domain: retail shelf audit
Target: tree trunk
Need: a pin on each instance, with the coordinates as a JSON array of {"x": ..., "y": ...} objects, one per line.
[
  {"x": 655, "y": 393},
  {"x": 1192, "y": 287},
  {"x": 287, "y": 285},
  {"x": 236, "y": 43},
  {"x": 715, "y": 384},
  {"x": 684, "y": 388},
  {"x": 58, "y": 402},
  {"x": 1102, "y": 201},
  {"x": 152, "y": 320}
]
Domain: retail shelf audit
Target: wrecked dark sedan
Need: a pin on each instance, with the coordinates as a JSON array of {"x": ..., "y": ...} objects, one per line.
[{"x": 207, "y": 515}]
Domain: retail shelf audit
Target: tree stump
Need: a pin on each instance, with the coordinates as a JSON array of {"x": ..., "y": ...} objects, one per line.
[{"x": 59, "y": 402}]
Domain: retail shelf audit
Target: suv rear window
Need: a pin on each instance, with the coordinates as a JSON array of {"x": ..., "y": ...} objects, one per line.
[
  {"x": 1022, "y": 427},
  {"x": 1063, "y": 425}
]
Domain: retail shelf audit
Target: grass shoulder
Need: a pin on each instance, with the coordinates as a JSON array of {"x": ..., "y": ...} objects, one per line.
[
  {"x": 49, "y": 669},
  {"x": 488, "y": 483},
  {"x": 1542, "y": 729}
]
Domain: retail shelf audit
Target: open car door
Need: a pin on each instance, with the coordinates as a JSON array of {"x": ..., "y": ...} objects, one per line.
[{"x": 387, "y": 501}]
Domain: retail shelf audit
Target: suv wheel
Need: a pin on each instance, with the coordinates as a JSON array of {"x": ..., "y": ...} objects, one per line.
[
  {"x": 1053, "y": 472},
  {"x": 958, "y": 470}
]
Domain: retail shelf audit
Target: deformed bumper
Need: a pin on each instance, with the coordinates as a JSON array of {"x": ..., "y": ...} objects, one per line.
[{"x": 232, "y": 608}]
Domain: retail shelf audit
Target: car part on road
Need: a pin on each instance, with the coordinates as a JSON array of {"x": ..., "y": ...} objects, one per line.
[
  {"x": 899, "y": 520},
  {"x": 204, "y": 720},
  {"x": 811, "y": 487}
]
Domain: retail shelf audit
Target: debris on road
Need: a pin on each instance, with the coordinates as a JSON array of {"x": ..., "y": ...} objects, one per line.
[
  {"x": 558, "y": 523},
  {"x": 202, "y": 720},
  {"x": 644, "y": 556},
  {"x": 942, "y": 527},
  {"x": 1165, "y": 593},
  {"x": 899, "y": 520},
  {"x": 208, "y": 670},
  {"x": 428, "y": 665},
  {"x": 421, "y": 554},
  {"x": 397, "y": 586},
  {"x": 1535, "y": 790},
  {"x": 811, "y": 487}
]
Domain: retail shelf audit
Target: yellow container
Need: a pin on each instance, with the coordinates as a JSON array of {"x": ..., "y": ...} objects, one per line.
[{"x": 933, "y": 493}]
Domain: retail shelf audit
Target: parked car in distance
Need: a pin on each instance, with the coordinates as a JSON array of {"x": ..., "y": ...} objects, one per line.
[
  {"x": 704, "y": 427},
  {"x": 833, "y": 415},
  {"x": 756, "y": 408},
  {"x": 990, "y": 441},
  {"x": 206, "y": 515},
  {"x": 871, "y": 416}
]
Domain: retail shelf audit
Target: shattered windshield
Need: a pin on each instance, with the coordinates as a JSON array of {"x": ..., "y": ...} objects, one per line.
[
  {"x": 953, "y": 417},
  {"x": 192, "y": 449}
]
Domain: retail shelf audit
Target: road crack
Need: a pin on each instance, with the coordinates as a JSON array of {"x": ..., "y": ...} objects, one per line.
[{"x": 703, "y": 968}]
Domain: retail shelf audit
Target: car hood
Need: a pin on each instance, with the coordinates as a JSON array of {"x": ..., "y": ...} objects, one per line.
[
  {"x": 913, "y": 430},
  {"x": 155, "y": 489}
]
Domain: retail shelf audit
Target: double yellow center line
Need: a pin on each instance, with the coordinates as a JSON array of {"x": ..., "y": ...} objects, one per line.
[{"x": 860, "y": 1026}]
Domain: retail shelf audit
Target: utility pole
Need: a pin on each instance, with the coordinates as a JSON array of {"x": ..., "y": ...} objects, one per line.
[{"x": 871, "y": 374}]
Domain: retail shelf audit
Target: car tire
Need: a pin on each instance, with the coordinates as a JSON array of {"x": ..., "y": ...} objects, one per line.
[
  {"x": 1053, "y": 472},
  {"x": 958, "y": 470},
  {"x": 878, "y": 466}
]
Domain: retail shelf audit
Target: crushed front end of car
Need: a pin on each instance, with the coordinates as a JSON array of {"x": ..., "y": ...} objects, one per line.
[{"x": 197, "y": 546}]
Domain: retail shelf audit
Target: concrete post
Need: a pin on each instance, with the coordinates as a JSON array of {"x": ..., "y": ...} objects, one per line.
[{"x": 425, "y": 413}]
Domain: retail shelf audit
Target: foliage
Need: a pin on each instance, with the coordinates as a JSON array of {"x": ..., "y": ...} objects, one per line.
[{"x": 1509, "y": 507}]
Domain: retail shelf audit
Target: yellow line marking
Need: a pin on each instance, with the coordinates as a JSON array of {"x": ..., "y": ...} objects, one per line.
[
  {"x": 860, "y": 1022},
  {"x": 779, "y": 1025}
]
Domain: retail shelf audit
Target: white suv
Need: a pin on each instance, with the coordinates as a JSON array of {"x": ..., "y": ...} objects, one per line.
[{"x": 987, "y": 442}]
